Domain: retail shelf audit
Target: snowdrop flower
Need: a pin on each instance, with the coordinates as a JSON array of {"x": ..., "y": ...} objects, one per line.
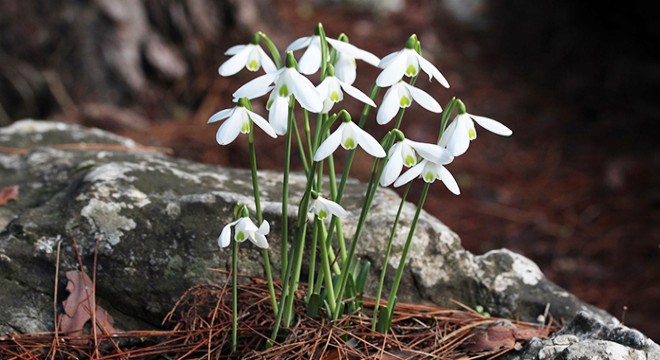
[
  {"x": 429, "y": 171},
  {"x": 330, "y": 90},
  {"x": 288, "y": 82},
  {"x": 349, "y": 135},
  {"x": 324, "y": 208},
  {"x": 245, "y": 229},
  {"x": 406, "y": 62},
  {"x": 310, "y": 62},
  {"x": 404, "y": 153},
  {"x": 461, "y": 131},
  {"x": 238, "y": 121},
  {"x": 251, "y": 56},
  {"x": 401, "y": 95}
]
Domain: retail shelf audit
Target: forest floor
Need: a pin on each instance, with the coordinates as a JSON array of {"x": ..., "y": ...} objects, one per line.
[{"x": 578, "y": 196}]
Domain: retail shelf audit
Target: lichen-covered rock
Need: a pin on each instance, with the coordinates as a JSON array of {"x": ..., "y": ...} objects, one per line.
[
  {"x": 155, "y": 220},
  {"x": 586, "y": 337}
]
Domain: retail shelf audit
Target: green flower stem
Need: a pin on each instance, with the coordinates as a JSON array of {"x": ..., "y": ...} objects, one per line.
[
  {"x": 272, "y": 48},
  {"x": 449, "y": 108},
  {"x": 324, "y": 51},
  {"x": 327, "y": 272},
  {"x": 284, "y": 238},
  {"x": 298, "y": 248},
  {"x": 312, "y": 260},
  {"x": 386, "y": 259},
  {"x": 406, "y": 247},
  {"x": 301, "y": 147},
  {"x": 260, "y": 218},
  {"x": 234, "y": 303},
  {"x": 308, "y": 134}
]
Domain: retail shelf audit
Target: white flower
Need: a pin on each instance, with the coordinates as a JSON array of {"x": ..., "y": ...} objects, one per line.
[
  {"x": 310, "y": 62},
  {"x": 324, "y": 208},
  {"x": 406, "y": 62},
  {"x": 429, "y": 171},
  {"x": 330, "y": 90},
  {"x": 245, "y": 229},
  {"x": 251, "y": 56},
  {"x": 401, "y": 95},
  {"x": 404, "y": 153},
  {"x": 461, "y": 131},
  {"x": 238, "y": 121},
  {"x": 349, "y": 136},
  {"x": 287, "y": 82}
]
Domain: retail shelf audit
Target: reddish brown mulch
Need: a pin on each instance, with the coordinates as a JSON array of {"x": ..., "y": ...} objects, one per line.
[{"x": 200, "y": 326}]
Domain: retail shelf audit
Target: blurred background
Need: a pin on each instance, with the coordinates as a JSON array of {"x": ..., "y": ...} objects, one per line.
[{"x": 576, "y": 188}]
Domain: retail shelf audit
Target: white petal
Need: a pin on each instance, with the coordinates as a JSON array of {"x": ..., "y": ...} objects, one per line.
[
  {"x": 345, "y": 69},
  {"x": 262, "y": 123},
  {"x": 367, "y": 142},
  {"x": 323, "y": 89},
  {"x": 394, "y": 71},
  {"x": 299, "y": 43},
  {"x": 356, "y": 93},
  {"x": 230, "y": 129},
  {"x": 235, "y": 63},
  {"x": 393, "y": 166},
  {"x": 448, "y": 180},
  {"x": 432, "y": 152},
  {"x": 423, "y": 99},
  {"x": 389, "y": 107},
  {"x": 225, "y": 236},
  {"x": 264, "y": 228},
  {"x": 354, "y": 51},
  {"x": 246, "y": 225},
  {"x": 222, "y": 114},
  {"x": 278, "y": 116},
  {"x": 256, "y": 87},
  {"x": 330, "y": 144},
  {"x": 235, "y": 49},
  {"x": 457, "y": 137},
  {"x": 310, "y": 62},
  {"x": 266, "y": 62},
  {"x": 304, "y": 91},
  {"x": 491, "y": 125},
  {"x": 411, "y": 174},
  {"x": 333, "y": 207},
  {"x": 388, "y": 59},
  {"x": 259, "y": 240},
  {"x": 432, "y": 70}
]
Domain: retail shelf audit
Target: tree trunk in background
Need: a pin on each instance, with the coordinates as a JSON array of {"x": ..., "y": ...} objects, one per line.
[{"x": 84, "y": 59}]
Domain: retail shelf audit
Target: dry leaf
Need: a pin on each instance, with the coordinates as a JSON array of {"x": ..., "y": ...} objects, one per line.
[
  {"x": 78, "y": 305},
  {"x": 8, "y": 193}
]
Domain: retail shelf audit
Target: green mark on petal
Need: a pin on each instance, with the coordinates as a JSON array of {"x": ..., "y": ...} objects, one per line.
[
  {"x": 253, "y": 65},
  {"x": 429, "y": 177},
  {"x": 404, "y": 101},
  {"x": 323, "y": 214},
  {"x": 334, "y": 96},
  {"x": 411, "y": 70},
  {"x": 410, "y": 160},
  {"x": 240, "y": 236},
  {"x": 284, "y": 90},
  {"x": 349, "y": 143},
  {"x": 245, "y": 128},
  {"x": 472, "y": 133}
]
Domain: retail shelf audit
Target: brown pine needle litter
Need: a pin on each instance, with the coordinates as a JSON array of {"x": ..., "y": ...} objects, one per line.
[{"x": 200, "y": 325}]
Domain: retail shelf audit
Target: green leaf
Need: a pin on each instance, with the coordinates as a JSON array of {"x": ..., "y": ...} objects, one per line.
[
  {"x": 313, "y": 305},
  {"x": 362, "y": 277}
]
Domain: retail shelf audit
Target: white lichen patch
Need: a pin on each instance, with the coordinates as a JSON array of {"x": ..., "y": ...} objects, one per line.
[
  {"x": 110, "y": 172},
  {"x": 521, "y": 271},
  {"x": 30, "y": 126},
  {"x": 139, "y": 198},
  {"x": 106, "y": 219},
  {"x": 172, "y": 210},
  {"x": 47, "y": 244}
]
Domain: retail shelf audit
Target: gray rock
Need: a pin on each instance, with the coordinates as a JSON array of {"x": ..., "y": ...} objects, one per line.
[
  {"x": 586, "y": 337},
  {"x": 156, "y": 220}
]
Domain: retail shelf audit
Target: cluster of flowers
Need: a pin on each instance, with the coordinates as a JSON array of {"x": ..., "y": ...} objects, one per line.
[{"x": 288, "y": 85}]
